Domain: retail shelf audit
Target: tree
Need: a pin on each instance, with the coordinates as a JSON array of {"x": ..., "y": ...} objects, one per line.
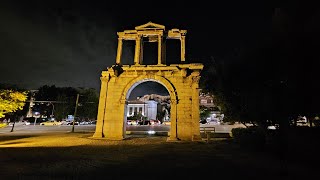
[
  {"x": 11, "y": 101},
  {"x": 275, "y": 77},
  {"x": 64, "y": 99},
  {"x": 88, "y": 101},
  {"x": 204, "y": 113},
  {"x": 160, "y": 115}
]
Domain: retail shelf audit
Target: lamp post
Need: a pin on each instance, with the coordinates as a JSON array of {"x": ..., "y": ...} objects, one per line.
[
  {"x": 75, "y": 112},
  {"x": 52, "y": 110}
]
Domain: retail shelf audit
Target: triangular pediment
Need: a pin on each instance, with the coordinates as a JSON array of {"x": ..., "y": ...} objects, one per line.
[{"x": 150, "y": 25}]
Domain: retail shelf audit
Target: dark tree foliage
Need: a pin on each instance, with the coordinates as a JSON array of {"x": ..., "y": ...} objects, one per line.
[
  {"x": 64, "y": 99},
  {"x": 277, "y": 77},
  {"x": 10, "y": 86},
  {"x": 88, "y": 102}
]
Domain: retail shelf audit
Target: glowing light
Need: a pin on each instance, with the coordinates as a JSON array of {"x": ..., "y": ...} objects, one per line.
[{"x": 151, "y": 132}]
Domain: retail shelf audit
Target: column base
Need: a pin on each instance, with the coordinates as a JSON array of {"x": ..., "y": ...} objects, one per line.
[
  {"x": 98, "y": 135},
  {"x": 172, "y": 139},
  {"x": 196, "y": 138}
]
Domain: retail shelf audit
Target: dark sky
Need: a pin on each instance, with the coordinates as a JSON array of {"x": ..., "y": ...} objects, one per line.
[{"x": 69, "y": 43}]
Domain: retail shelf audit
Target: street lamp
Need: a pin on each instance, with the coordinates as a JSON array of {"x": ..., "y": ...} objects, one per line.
[
  {"x": 48, "y": 104},
  {"x": 75, "y": 112},
  {"x": 52, "y": 110}
]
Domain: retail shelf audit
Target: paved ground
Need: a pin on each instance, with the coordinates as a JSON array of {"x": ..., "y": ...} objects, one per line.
[{"x": 65, "y": 155}]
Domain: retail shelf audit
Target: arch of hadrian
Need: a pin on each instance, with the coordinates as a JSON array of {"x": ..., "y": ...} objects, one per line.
[{"x": 181, "y": 81}]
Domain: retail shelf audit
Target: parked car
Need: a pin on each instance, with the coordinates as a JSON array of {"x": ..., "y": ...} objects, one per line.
[
  {"x": 25, "y": 122},
  {"x": 203, "y": 121},
  {"x": 15, "y": 123},
  {"x": 84, "y": 123},
  {"x": 154, "y": 122},
  {"x": 148, "y": 122},
  {"x": 71, "y": 123},
  {"x": 132, "y": 122},
  {"x": 50, "y": 123},
  {"x": 30, "y": 119},
  {"x": 144, "y": 122},
  {"x": 302, "y": 120},
  {"x": 214, "y": 121}
]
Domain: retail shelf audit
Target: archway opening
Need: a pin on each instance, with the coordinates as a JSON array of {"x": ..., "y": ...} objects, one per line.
[
  {"x": 147, "y": 109},
  {"x": 128, "y": 52},
  {"x": 150, "y": 53},
  {"x": 173, "y": 53}
]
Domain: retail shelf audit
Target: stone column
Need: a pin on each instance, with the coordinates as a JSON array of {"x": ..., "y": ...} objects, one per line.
[
  {"x": 102, "y": 105},
  {"x": 137, "y": 50},
  {"x": 141, "y": 53},
  {"x": 159, "y": 49},
  {"x": 195, "y": 109},
  {"x": 123, "y": 108},
  {"x": 173, "y": 119},
  {"x": 183, "y": 49},
  {"x": 119, "y": 51},
  {"x": 163, "y": 60}
]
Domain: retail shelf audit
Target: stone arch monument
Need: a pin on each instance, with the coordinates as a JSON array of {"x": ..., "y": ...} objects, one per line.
[{"x": 181, "y": 81}]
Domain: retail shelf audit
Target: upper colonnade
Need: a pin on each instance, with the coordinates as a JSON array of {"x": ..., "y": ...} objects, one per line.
[{"x": 150, "y": 32}]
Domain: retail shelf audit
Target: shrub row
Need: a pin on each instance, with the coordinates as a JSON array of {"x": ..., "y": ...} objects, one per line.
[
  {"x": 252, "y": 137},
  {"x": 3, "y": 125}
]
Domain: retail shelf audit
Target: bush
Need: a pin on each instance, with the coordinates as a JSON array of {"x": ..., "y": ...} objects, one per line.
[
  {"x": 316, "y": 123},
  {"x": 252, "y": 137},
  {"x": 3, "y": 125}
]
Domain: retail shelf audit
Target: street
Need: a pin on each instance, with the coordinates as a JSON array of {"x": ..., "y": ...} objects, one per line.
[
  {"x": 130, "y": 129},
  {"x": 19, "y": 128}
]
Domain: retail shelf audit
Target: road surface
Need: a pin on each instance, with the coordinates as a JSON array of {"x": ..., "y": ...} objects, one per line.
[{"x": 19, "y": 128}]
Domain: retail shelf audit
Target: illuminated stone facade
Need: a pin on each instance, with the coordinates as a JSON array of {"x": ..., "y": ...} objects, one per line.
[
  {"x": 147, "y": 109},
  {"x": 181, "y": 81}
]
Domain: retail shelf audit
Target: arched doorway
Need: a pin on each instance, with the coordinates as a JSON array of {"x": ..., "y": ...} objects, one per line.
[
  {"x": 148, "y": 109},
  {"x": 172, "y": 93}
]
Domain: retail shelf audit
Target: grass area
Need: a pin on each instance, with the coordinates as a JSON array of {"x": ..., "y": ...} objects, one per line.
[{"x": 78, "y": 156}]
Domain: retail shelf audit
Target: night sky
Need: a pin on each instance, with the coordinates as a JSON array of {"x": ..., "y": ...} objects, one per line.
[{"x": 69, "y": 43}]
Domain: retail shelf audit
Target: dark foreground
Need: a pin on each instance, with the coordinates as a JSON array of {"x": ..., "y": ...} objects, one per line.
[{"x": 78, "y": 156}]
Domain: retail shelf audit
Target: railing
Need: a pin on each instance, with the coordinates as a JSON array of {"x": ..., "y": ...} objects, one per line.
[{"x": 208, "y": 131}]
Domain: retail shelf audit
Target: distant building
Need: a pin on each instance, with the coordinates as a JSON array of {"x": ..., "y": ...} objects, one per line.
[
  {"x": 152, "y": 109},
  {"x": 150, "y": 105},
  {"x": 136, "y": 106},
  {"x": 206, "y": 101},
  {"x": 147, "y": 108}
]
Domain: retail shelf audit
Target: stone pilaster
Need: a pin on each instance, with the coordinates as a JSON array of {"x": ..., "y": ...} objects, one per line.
[
  {"x": 173, "y": 119},
  {"x": 137, "y": 50},
  {"x": 159, "y": 49},
  {"x": 195, "y": 108},
  {"x": 102, "y": 105},
  {"x": 119, "y": 51},
  {"x": 183, "y": 49}
]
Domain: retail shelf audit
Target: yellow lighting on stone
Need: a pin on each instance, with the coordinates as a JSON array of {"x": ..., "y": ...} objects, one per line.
[{"x": 181, "y": 80}]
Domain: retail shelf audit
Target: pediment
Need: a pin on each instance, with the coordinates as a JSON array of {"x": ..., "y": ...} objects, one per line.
[{"x": 150, "y": 25}]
